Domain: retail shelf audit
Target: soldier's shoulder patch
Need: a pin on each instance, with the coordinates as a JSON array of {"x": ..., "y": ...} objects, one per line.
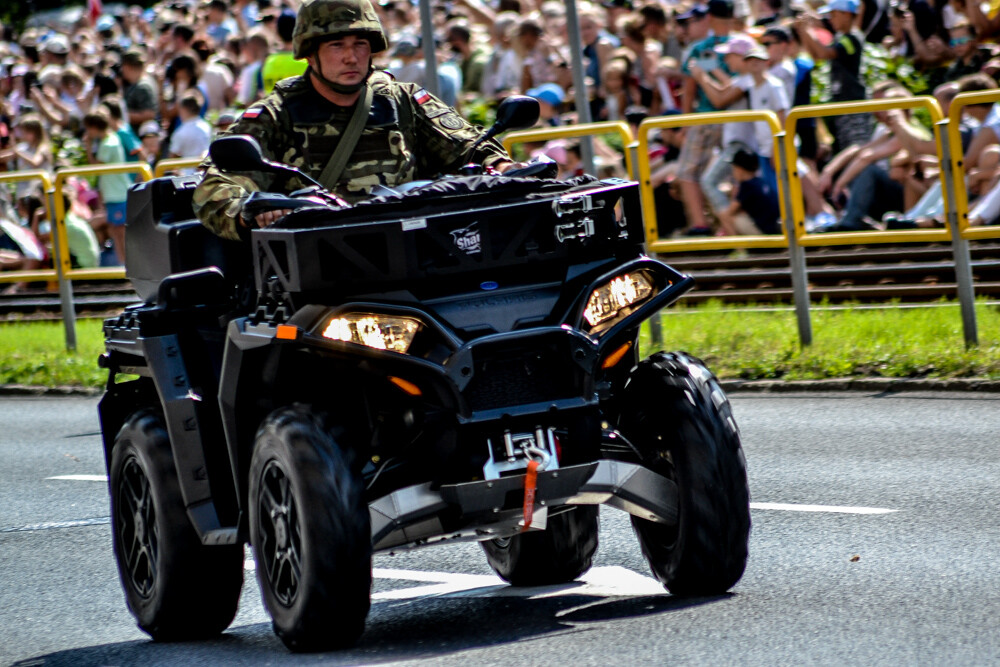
[
  {"x": 252, "y": 112},
  {"x": 451, "y": 121},
  {"x": 422, "y": 96}
]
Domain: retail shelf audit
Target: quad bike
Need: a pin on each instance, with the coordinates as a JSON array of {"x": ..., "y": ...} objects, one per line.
[{"x": 454, "y": 362}]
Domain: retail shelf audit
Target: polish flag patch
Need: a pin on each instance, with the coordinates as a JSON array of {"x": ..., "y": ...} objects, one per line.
[
  {"x": 252, "y": 113},
  {"x": 421, "y": 96}
]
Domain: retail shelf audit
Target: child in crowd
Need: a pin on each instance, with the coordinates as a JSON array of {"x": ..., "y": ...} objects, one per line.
[
  {"x": 754, "y": 209},
  {"x": 32, "y": 151},
  {"x": 104, "y": 147}
]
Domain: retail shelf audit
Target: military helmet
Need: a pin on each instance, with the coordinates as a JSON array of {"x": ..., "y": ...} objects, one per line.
[{"x": 321, "y": 19}]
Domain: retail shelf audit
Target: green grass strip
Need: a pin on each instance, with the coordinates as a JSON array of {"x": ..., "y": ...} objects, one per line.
[{"x": 737, "y": 343}]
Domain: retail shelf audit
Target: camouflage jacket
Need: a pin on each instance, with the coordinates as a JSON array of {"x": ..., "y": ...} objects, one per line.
[{"x": 410, "y": 134}]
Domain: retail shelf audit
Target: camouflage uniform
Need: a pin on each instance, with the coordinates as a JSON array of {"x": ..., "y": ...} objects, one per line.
[{"x": 410, "y": 134}]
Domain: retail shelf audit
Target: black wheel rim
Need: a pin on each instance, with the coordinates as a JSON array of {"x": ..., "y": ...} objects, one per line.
[
  {"x": 280, "y": 548},
  {"x": 137, "y": 530}
]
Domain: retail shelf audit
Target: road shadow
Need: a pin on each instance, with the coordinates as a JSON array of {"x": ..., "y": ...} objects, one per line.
[{"x": 398, "y": 630}]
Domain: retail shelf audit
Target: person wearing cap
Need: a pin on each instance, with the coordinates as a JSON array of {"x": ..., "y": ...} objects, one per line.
[
  {"x": 753, "y": 88},
  {"x": 701, "y": 141},
  {"x": 754, "y": 207},
  {"x": 550, "y": 98},
  {"x": 777, "y": 41},
  {"x": 140, "y": 93},
  {"x": 406, "y": 134},
  {"x": 282, "y": 64},
  {"x": 692, "y": 27},
  {"x": 152, "y": 137},
  {"x": 844, "y": 55}
]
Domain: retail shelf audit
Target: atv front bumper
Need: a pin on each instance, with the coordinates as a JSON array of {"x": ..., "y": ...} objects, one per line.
[{"x": 420, "y": 515}]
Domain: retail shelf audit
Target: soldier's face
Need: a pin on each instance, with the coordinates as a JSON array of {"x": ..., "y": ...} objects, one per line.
[{"x": 343, "y": 60}]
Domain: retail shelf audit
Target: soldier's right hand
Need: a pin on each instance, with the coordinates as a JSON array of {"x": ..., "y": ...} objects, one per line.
[{"x": 268, "y": 218}]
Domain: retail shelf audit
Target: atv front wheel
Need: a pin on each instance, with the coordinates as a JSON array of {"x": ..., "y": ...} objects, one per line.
[
  {"x": 310, "y": 532},
  {"x": 673, "y": 410},
  {"x": 175, "y": 587},
  {"x": 560, "y": 553}
]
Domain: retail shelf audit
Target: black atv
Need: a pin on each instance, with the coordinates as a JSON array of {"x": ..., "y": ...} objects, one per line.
[{"x": 454, "y": 362}]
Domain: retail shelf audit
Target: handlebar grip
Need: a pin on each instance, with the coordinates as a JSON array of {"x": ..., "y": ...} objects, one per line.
[{"x": 262, "y": 202}]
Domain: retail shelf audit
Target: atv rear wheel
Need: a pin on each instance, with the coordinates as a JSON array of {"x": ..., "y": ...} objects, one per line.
[
  {"x": 310, "y": 532},
  {"x": 175, "y": 587},
  {"x": 673, "y": 410},
  {"x": 560, "y": 553}
]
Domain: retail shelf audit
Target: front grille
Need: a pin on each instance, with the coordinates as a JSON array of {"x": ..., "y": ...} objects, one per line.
[{"x": 510, "y": 379}]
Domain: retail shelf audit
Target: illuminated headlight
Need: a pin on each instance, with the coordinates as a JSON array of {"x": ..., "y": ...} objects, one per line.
[
  {"x": 382, "y": 332},
  {"x": 616, "y": 298}
]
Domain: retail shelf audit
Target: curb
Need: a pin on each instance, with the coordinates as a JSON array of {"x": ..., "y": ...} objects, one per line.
[{"x": 876, "y": 385}]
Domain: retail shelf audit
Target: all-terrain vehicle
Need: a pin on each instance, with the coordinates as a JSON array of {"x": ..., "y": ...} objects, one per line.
[{"x": 454, "y": 362}]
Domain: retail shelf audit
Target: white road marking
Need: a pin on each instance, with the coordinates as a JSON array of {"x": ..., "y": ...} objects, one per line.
[
  {"x": 786, "y": 507},
  {"x": 81, "y": 478},
  {"x": 612, "y": 581}
]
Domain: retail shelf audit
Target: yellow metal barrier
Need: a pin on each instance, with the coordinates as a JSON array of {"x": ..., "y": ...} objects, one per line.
[
  {"x": 653, "y": 240},
  {"x": 175, "y": 163},
  {"x": 110, "y": 273},
  {"x": 961, "y": 203},
  {"x": 795, "y": 183},
  {"x": 618, "y": 127},
  {"x": 46, "y": 180}
]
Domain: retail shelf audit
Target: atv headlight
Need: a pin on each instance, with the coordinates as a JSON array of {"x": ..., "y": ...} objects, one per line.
[
  {"x": 615, "y": 299},
  {"x": 382, "y": 332}
]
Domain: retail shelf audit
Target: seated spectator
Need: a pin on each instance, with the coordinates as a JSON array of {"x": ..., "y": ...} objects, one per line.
[
  {"x": 536, "y": 54},
  {"x": 969, "y": 59},
  {"x": 754, "y": 209}
]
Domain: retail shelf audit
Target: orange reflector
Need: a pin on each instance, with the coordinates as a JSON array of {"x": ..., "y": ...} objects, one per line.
[
  {"x": 287, "y": 332},
  {"x": 405, "y": 385},
  {"x": 616, "y": 356}
]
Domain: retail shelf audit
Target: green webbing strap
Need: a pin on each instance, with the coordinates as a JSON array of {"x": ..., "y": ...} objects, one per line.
[{"x": 335, "y": 167}]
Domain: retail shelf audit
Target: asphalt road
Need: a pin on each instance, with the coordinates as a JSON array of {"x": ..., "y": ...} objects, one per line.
[{"x": 849, "y": 582}]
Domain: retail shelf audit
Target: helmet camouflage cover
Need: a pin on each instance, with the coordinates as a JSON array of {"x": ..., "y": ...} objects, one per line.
[{"x": 321, "y": 19}]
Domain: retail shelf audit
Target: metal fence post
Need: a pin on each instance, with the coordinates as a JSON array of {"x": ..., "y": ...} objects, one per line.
[
  {"x": 655, "y": 323},
  {"x": 959, "y": 245},
  {"x": 60, "y": 260},
  {"x": 797, "y": 255}
]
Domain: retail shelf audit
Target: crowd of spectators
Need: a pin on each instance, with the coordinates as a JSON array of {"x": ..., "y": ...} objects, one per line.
[{"x": 143, "y": 84}]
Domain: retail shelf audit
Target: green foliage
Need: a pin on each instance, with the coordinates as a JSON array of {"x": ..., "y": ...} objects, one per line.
[
  {"x": 888, "y": 342},
  {"x": 877, "y": 65}
]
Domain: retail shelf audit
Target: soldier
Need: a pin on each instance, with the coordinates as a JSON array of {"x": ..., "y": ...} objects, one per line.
[{"x": 408, "y": 134}]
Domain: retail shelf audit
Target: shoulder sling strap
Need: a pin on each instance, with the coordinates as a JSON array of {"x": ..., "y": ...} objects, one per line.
[{"x": 335, "y": 167}]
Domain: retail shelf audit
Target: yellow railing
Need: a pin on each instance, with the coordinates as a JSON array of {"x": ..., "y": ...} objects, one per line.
[
  {"x": 176, "y": 163},
  {"x": 618, "y": 127},
  {"x": 655, "y": 243},
  {"x": 109, "y": 273},
  {"x": 46, "y": 180},
  {"x": 961, "y": 203},
  {"x": 795, "y": 183}
]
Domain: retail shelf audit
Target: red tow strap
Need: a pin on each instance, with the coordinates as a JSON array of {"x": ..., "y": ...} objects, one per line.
[{"x": 530, "y": 483}]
